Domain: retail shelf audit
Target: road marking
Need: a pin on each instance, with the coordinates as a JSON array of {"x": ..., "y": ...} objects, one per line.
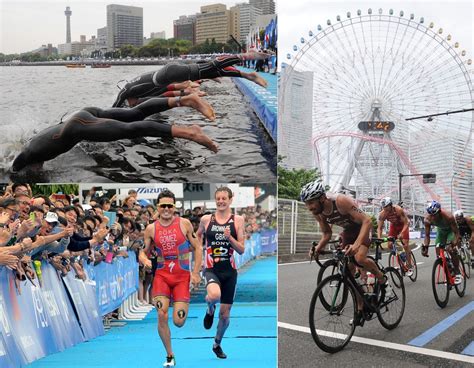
[
  {"x": 292, "y": 263},
  {"x": 386, "y": 344},
  {"x": 419, "y": 263},
  {"x": 442, "y": 326},
  {"x": 469, "y": 349}
]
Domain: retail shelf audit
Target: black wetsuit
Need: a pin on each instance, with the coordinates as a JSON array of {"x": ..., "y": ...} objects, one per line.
[
  {"x": 220, "y": 265},
  {"x": 156, "y": 83},
  {"x": 96, "y": 125}
]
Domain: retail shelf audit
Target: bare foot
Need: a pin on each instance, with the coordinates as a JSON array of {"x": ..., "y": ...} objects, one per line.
[
  {"x": 196, "y": 90},
  {"x": 194, "y": 133},
  {"x": 256, "y": 78},
  {"x": 196, "y": 102},
  {"x": 186, "y": 84}
]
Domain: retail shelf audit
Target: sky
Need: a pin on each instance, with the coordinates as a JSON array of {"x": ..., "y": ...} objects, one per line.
[
  {"x": 26, "y": 25},
  {"x": 297, "y": 17}
]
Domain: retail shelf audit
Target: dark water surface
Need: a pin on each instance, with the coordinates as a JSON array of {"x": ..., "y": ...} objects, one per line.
[{"x": 34, "y": 98}]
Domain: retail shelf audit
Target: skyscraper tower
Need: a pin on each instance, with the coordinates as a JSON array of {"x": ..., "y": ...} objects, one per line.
[{"x": 68, "y": 13}]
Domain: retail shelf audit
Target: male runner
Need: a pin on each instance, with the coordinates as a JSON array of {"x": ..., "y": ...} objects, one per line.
[
  {"x": 171, "y": 238},
  {"x": 159, "y": 82},
  {"x": 447, "y": 232},
  {"x": 466, "y": 229},
  {"x": 224, "y": 234},
  {"x": 398, "y": 227},
  {"x": 97, "y": 125},
  {"x": 341, "y": 210}
]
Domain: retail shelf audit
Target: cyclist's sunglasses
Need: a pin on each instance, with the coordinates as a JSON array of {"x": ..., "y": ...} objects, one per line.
[{"x": 166, "y": 205}]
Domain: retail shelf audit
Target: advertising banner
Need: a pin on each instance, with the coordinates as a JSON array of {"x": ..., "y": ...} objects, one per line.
[
  {"x": 83, "y": 295},
  {"x": 114, "y": 282},
  {"x": 28, "y": 319},
  {"x": 269, "y": 241}
]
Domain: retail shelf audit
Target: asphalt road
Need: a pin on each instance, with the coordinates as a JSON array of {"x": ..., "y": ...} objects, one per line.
[{"x": 449, "y": 347}]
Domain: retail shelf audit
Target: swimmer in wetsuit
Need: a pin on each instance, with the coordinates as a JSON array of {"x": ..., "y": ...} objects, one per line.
[
  {"x": 162, "y": 81},
  {"x": 98, "y": 125}
]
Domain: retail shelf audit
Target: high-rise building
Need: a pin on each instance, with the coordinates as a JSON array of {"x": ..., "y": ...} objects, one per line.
[
  {"x": 124, "y": 26},
  {"x": 453, "y": 168},
  {"x": 267, "y": 6},
  {"x": 296, "y": 126},
  {"x": 101, "y": 40},
  {"x": 244, "y": 18},
  {"x": 184, "y": 28},
  {"x": 68, "y": 14},
  {"x": 213, "y": 22},
  {"x": 160, "y": 35}
]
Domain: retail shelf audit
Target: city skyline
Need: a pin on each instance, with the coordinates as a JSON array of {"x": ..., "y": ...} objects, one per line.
[{"x": 86, "y": 18}]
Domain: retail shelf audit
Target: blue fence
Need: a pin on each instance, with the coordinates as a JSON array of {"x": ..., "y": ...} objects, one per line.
[
  {"x": 263, "y": 101},
  {"x": 261, "y": 243},
  {"x": 62, "y": 313}
]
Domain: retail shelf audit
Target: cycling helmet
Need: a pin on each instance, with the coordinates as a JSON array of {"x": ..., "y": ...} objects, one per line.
[
  {"x": 312, "y": 190},
  {"x": 433, "y": 208},
  {"x": 387, "y": 201},
  {"x": 458, "y": 214}
]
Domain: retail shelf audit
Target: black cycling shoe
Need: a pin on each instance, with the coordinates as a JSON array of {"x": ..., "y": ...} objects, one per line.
[
  {"x": 208, "y": 319},
  {"x": 358, "y": 320},
  {"x": 219, "y": 353}
]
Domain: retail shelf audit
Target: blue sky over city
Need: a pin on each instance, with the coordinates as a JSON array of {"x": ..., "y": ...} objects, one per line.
[{"x": 26, "y": 25}]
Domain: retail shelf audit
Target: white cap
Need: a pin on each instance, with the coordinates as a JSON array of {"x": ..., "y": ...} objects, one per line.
[
  {"x": 51, "y": 217},
  {"x": 86, "y": 207}
]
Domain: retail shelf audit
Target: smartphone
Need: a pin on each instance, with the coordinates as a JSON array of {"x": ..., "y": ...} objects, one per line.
[{"x": 32, "y": 216}]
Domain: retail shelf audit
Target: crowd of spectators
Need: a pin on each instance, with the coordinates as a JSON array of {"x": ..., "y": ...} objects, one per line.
[
  {"x": 67, "y": 233},
  {"x": 264, "y": 66},
  {"x": 64, "y": 232}
]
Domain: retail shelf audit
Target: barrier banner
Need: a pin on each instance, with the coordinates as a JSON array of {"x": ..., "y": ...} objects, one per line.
[
  {"x": 10, "y": 355},
  {"x": 7, "y": 358},
  {"x": 269, "y": 240},
  {"x": 28, "y": 319},
  {"x": 114, "y": 282},
  {"x": 83, "y": 295},
  {"x": 64, "y": 321}
]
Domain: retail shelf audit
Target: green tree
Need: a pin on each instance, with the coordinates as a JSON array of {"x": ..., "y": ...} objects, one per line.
[
  {"x": 291, "y": 181},
  {"x": 48, "y": 189}
]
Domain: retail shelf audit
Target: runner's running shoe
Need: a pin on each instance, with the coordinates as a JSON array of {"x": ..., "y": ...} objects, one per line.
[
  {"x": 218, "y": 351},
  {"x": 170, "y": 361}
]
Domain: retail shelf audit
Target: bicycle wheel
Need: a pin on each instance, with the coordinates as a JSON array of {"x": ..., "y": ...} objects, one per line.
[
  {"x": 332, "y": 328},
  {"x": 465, "y": 256},
  {"x": 439, "y": 281},
  {"x": 461, "y": 288},
  {"x": 394, "y": 262},
  {"x": 414, "y": 267},
  {"x": 392, "y": 300},
  {"x": 329, "y": 268}
]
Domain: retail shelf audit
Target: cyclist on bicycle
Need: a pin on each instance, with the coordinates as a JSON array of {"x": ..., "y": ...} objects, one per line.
[
  {"x": 398, "y": 227},
  {"x": 341, "y": 210},
  {"x": 447, "y": 232},
  {"x": 466, "y": 229}
]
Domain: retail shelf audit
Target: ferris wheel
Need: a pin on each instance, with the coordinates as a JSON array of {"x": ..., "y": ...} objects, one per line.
[{"x": 368, "y": 73}]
